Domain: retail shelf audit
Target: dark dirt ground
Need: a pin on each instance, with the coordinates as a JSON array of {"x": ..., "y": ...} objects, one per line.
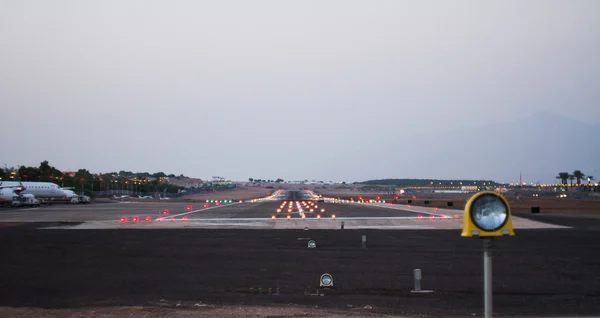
[{"x": 536, "y": 273}]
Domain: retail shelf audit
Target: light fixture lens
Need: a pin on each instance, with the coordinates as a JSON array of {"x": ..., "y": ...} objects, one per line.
[{"x": 489, "y": 212}]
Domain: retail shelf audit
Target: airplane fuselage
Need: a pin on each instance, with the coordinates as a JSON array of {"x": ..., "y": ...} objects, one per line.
[{"x": 42, "y": 190}]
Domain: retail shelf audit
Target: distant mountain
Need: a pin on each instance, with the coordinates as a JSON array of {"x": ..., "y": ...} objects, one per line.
[{"x": 539, "y": 146}]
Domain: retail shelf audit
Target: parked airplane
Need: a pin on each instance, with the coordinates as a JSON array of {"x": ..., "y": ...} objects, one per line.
[
  {"x": 145, "y": 197},
  {"x": 69, "y": 194},
  {"x": 41, "y": 190},
  {"x": 121, "y": 198}
]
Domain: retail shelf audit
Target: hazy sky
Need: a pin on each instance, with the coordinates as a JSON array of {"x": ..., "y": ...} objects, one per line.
[{"x": 290, "y": 89}]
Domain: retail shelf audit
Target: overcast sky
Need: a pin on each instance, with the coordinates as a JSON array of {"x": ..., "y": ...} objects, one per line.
[{"x": 289, "y": 89}]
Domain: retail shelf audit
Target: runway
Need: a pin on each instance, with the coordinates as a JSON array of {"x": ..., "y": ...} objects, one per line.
[{"x": 289, "y": 210}]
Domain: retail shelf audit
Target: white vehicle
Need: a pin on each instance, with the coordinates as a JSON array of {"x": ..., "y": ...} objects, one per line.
[
  {"x": 41, "y": 190},
  {"x": 76, "y": 198},
  {"x": 25, "y": 200},
  {"x": 84, "y": 199},
  {"x": 146, "y": 197}
]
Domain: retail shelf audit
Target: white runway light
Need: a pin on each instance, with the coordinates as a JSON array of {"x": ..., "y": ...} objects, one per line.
[{"x": 489, "y": 213}]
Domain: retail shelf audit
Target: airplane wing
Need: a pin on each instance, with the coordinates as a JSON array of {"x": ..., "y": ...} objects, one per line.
[{"x": 20, "y": 185}]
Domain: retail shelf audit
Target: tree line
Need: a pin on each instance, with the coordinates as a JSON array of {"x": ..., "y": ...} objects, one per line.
[
  {"x": 84, "y": 180},
  {"x": 279, "y": 180},
  {"x": 428, "y": 182}
]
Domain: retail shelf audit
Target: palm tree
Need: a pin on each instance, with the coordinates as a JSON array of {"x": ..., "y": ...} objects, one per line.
[
  {"x": 578, "y": 175},
  {"x": 571, "y": 177},
  {"x": 563, "y": 176}
]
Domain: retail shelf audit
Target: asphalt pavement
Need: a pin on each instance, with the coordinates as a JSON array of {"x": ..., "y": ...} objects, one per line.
[{"x": 538, "y": 272}]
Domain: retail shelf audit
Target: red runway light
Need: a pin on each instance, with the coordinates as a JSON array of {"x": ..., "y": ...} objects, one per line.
[
  {"x": 206, "y": 205},
  {"x": 432, "y": 216},
  {"x": 172, "y": 219},
  {"x": 420, "y": 217},
  {"x": 444, "y": 216},
  {"x": 408, "y": 205},
  {"x": 159, "y": 219},
  {"x": 390, "y": 204},
  {"x": 184, "y": 218},
  {"x": 148, "y": 219},
  {"x": 435, "y": 208},
  {"x": 123, "y": 219},
  {"x": 456, "y": 216},
  {"x": 135, "y": 219},
  {"x": 414, "y": 197},
  {"x": 218, "y": 203},
  {"x": 189, "y": 208},
  {"x": 166, "y": 212}
]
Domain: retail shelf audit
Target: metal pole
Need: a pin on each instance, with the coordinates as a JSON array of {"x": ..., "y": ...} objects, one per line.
[{"x": 487, "y": 277}]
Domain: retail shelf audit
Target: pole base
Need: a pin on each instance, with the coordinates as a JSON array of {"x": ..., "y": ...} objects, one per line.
[{"x": 422, "y": 291}]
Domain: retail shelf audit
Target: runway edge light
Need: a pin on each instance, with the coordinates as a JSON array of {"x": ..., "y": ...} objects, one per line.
[
  {"x": 326, "y": 280},
  {"x": 487, "y": 214}
]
